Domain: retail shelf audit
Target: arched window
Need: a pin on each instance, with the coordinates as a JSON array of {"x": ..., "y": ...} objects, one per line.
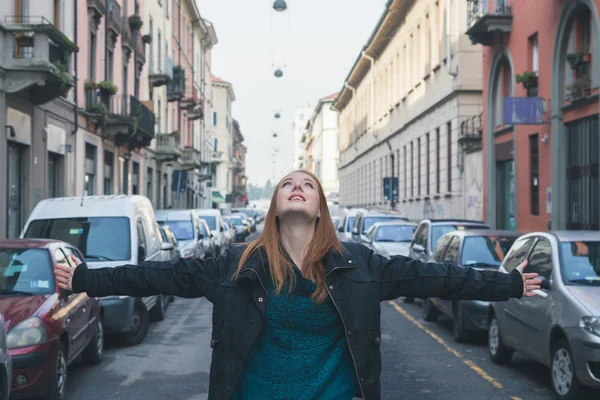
[{"x": 578, "y": 65}]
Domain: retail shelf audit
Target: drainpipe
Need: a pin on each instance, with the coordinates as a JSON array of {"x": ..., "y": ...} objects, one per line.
[
  {"x": 448, "y": 49},
  {"x": 75, "y": 97},
  {"x": 353, "y": 113},
  {"x": 372, "y": 61}
]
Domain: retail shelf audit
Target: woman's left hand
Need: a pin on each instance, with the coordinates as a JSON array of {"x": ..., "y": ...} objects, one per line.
[{"x": 530, "y": 283}]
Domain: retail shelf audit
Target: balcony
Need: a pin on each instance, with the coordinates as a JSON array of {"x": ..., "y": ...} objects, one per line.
[
  {"x": 190, "y": 98},
  {"x": 176, "y": 88},
  {"x": 218, "y": 157},
  {"x": 167, "y": 147},
  {"x": 140, "y": 48},
  {"x": 97, "y": 7},
  {"x": 129, "y": 122},
  {"x": 128, "y": 38},
  {"x": 114, "y": 18},
  {"x": 197, "y": 112},
  {"x": 161, "y": 72},
  {"x": 471, "y": 133},
  {"x": 190, "y": 158},
  {"x": 36, "y": 59},
  {"x": 484, "y": 20}
]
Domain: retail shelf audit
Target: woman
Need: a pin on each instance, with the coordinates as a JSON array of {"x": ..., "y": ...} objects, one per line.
[{"x": 296, "y": 313}]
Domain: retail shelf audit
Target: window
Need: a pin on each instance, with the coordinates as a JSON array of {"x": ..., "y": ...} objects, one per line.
[
  {"x": 141, "y": 238},
  {"x": 540, "y": 260},
  {"x": 405, "y": 176},
  {"x": 440, "y": 248},
  {"x": 535, "y": 53},
  {"x": 92, "y": 57},
  {"x": 99, "y": 238},
  {"x": 419, "y": 166},
  {"x": 517, "y": 253},
  {"x": 437, "y": 160},
  {"x": 28, "y": 270},
  {"x": 108, "y": 172},
  {"x": 485, "y": 251},
  {"x": 449, "y": 154},
  {"x": 135, "y": 184},
  {"x": 534, "y": 165},
  {"x": 215, "y": 144},
  {"x": 111, "y": 60},
  {"x": 427, "y": 160},
  {"x": 124, "y": 89},
  {"x": 580, "y": 264},
  {"x": 90, "y": 170},
  {"x": 214, "y": 121},
  {"x": 393, "y": 233},
  {"x": 183, "y": 230},
  {"x": 452, "y": 252},
  {"x": 149, "y": 179},
  {"x": 412, "y": 169}
]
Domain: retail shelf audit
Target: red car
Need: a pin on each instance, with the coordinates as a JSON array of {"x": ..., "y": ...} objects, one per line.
[{"x": 47, "y": 326}]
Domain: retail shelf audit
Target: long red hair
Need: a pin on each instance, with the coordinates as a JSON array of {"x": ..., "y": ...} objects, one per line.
[{"x": 280, "y": 268}]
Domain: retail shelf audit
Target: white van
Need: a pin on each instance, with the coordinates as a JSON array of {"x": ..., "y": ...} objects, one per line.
[
  {"x": 110, "y": 231},
  {"x": 214, "y": 219}
]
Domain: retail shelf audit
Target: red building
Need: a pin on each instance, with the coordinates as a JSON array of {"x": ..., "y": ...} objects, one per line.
[{"x": 546, "y": 173}]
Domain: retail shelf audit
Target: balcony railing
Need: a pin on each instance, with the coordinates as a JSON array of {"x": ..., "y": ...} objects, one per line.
[
  {"x": 487, "y": 17},
  {"x": 130, "y": 118},
  {"x": 167, "y": 146},
  {"x": 114, "y": 17},
  {"x": 190, "y": 158},
  {"x": 190, "y": 97},
  {"x": 471, "y": 133},
  {"x": 35, "y": 50},
  {"x": 161, "y": 71},
  {"x": 197, "y": 112},
  {"x": 176, "y": 88},
  {"x": 218, "y": 156}
]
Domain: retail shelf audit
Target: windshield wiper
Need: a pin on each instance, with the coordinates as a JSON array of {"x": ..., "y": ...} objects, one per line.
[
  {"x": 482, "y": 264},
  {"x": 591, "y": 282},
  {"x": 103, "y": 258},
  {"x": 11, "y": 291}
]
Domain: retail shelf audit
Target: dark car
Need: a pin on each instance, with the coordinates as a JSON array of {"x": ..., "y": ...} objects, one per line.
[
  {"x": 481, "y": 249},
  {"x": 430, "y": 231},
  {"x": 48, "y": 327}
]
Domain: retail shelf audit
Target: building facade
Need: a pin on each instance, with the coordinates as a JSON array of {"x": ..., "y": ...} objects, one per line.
[
  {"x": 321, "y": 150},
  {"x": 298, "y": 129},
  {"x": 540, "y": 54},
  {"x": 410, "y": 110},
  {"x": 121, "y": 108},
  {"x": 222, "y": 154},
  {"x": 239, "y": 194}
]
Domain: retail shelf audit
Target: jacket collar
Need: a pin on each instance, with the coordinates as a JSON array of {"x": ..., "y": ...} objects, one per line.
[{"x": 257, "y": 264}]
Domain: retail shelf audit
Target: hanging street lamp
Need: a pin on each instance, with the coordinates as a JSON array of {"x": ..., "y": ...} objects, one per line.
[
  {"x": 277, "y": 115},
  {"x": 279, "y": 5},
  {"x": 274, "y": 135},
  {"x": 278, "y": 73}
]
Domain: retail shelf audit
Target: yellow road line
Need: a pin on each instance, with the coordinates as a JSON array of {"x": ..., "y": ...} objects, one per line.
[
  {"x": 458, "y": 355},
  {"x": 515, "y": 398}
]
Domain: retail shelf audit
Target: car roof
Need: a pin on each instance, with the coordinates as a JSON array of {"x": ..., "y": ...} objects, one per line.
[
  {"x": 393, "y": 223},
  {"x": 90, "y": 206},
  {"x": 208, "y": 211},
  {"x": 459, "y": 221},
  {"x": 30, "y": 243},
  {"x": 572, "y": 236},
  {"x": 383, "y": 214},
  {"x": 351, "y": 212},
  {"x": 491, "y": 232},
  {"x": 173, "y": 215}
]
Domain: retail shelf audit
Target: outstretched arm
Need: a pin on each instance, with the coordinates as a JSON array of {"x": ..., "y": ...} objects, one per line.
[
  {"x": 184, "y": 278},
  {"x": 402, "y": 276}
]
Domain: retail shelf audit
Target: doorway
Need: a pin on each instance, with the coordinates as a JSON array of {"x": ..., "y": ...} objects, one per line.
[
  {"x": 505, "y": 190},
  {"x": 16, "y": 184}
]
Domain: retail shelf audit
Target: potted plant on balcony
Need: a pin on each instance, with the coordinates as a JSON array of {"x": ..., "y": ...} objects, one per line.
[
  {"x": 107, "y": 89},
  {"x": 147, "y": 39},
  {"x": 135, "y": 22},
  {"x": 65, "y": 81},
  {"x": 528, "y": 79},
  {"x": 100, "y": 111},
  {"x": 579, "y": 57},
  {"x": 581, "y": 87}
]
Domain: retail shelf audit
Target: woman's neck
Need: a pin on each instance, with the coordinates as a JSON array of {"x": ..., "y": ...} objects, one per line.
[{"x": 295, "y": 237}]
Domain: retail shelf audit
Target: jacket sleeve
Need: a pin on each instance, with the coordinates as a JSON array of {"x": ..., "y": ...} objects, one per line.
[
  {"x": 403, "y": 276},
  {"x": 184, "y": 278}
]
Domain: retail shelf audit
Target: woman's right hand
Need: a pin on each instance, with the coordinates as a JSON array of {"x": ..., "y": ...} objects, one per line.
[{"x": 64, "y": 273}]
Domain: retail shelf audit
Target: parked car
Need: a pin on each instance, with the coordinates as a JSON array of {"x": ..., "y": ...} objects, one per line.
[
  {"x": 480, "y": 249},
  {"x": 248, "y": 212},
  {"x": 208, "y": 239},
  {"x": 365, "y": 219},
  {"x": 391, "y": 238},
  {"x": 560, "y": 327},
  {"x": 5, "y": 362},
  {"x": 214, "y": 219},
  {"x": 430, "y": 231},
  {"x": 169, "y": 237},
  {"x": 185, "y": 224},
  {"x": 245, "y": 221},
  {"x": 240, "y": 229},
  {"x": 344, "y": 229},
  {"x": 229, "y": 233},
  {"x": 48, "y": 327},
  {"x": 110, "y": 231}
]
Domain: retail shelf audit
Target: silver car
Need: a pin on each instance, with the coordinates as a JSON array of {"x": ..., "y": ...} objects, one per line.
[
  {"x": 185, "y": 224},
  {"x": 560, "y": 327},
  {"x": 391, "y": 238}
]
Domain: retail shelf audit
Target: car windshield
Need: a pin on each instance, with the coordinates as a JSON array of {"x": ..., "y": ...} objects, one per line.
[
  {"x": 439, "y": 230},
  {"x": 236, "y": 221},
  {"x": 183, "y": 230},
  {"x": 580, "y": 262},
  {"x": 211, "y": 221},
  {"x": 26, "y": 271},
  {"x": 99, "y": 238},
  {"x": 369, "y": 221},
  {"x": 394, "y": 233},
  {"x": 485, "y": 250}
]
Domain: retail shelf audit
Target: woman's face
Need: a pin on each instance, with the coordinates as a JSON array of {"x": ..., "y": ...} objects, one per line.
[{"x": 298, "y": 195}]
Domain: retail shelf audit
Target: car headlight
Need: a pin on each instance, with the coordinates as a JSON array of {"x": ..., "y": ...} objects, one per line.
[
  {"x": 27, "y": 333},
  {"x": 591, "y": 324}
]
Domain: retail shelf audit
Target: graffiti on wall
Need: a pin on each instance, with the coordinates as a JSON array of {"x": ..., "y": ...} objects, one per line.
[{"x": 473, "y": 179}]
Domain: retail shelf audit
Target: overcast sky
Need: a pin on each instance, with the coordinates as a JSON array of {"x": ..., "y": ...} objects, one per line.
[{"x": 314, "y": 42}]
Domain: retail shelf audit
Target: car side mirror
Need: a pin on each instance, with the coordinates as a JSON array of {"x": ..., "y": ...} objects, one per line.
[
  {"x": 341, "y": 229},
  {"x": 222, "y": 229},
  {"x": 141, "y": 253},
  {"x": 418, "y": 248},
  {"x": 354, "y": 231},
  {"x": 546, "y": 284},
  {"x": 166, "y": 246}
]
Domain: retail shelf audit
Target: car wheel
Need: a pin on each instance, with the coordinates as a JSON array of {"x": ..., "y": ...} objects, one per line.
[
  {"x": 58, "y": 381},
  {"x": 499, "y": 353},
  {"x": 430, "y": 312},
  {"x": 564, "y": 379},
  {"x": 158, "y": 311},
  {"x": 459, "y": 332},
  {"x": 140, "y": 323},
  {"x": 95, "y": 349}
]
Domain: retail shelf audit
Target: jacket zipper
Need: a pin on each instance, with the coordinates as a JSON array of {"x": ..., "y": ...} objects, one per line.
[
  {"x": 261, "y": 283},
  {"x": 345, "y": 333}
]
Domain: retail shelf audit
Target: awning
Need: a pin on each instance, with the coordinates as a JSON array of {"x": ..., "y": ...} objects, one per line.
[{"x": 217, "y": 198}]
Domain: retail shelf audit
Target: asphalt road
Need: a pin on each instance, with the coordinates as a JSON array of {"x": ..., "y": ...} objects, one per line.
[{"x": 420, "y": 361}]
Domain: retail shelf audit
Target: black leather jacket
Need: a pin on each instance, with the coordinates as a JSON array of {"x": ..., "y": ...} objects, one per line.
[{"x": 356, "y": 283}]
